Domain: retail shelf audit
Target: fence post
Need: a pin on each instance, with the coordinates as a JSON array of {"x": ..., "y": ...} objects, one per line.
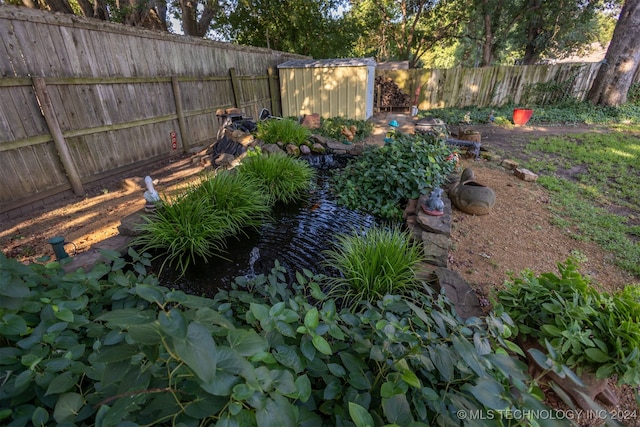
[
  {"x": 177, "y": 98},
  {"x": 56, "y": 133},
  {"x": 236, "y": 87},
  {"x": 273, "y": 91}
]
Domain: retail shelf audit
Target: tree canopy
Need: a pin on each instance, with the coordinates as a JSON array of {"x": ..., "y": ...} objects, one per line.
[{"x": 422, "y": 32}]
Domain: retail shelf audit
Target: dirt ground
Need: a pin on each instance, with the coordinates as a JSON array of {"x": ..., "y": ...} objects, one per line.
[{"x": 518, "y": 234}]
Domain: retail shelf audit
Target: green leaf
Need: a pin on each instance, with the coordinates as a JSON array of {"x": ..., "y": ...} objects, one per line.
[
  {"x": 116, "y": 353},
  {"x": 12, "y": 324},
  {"x": 488, "y": 392},
  {"x": 40, "y": 417},
  {"x": 128, "y": 316},
  {"x": 312, "y": 319},
  {"x": 198, "y": 351},
  {"x": 259, "y": 311},
  {"x": 303, "y": 386},
  {"x": 283, "y": 382},
  {"x": 150, "y": 293},
  {"x": 11, "y": 287},
  {"x": 61, "y": 383},
  {"x": 67, "y": 406},
  {"x": 277, "y": 309},
  {"x": 287, "y": 357},
  {"x": 411, "y": 378},
  {"x": 597, "y": 355},
  {"x": 360, "y": 416},
  {"x": 246, "y": 342},
  {"x": 336, "y": 369},
  {"x": 173, "y": 323},
  {"x": 332, "y": 390},
  {"x": 63, "y": 314},
  {"x": 397, "y": 409},
  {"x": 321, "y": 345}
]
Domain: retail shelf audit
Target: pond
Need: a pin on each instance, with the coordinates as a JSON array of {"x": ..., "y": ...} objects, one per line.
[{"x": 296, "y": 236}]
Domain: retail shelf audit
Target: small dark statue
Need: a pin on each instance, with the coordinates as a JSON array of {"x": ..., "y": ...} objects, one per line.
[{"x": 434, "y": 204}]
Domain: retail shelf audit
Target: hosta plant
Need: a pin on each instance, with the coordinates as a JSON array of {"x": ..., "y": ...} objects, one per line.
[
  {"x": 590, "y": 330},
  {"x": 110, "y": 347}
]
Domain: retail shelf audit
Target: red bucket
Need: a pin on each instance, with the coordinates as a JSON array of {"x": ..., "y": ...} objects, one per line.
[{"x": 521, "y": 116}]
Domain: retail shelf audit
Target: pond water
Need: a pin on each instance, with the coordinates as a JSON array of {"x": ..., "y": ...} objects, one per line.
[{"x": 296, "y": 235}]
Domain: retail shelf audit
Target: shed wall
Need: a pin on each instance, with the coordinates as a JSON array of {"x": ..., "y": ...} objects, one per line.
[{"x": 329, "y": 91}]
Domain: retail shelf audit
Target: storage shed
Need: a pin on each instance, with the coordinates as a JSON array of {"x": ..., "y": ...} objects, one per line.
[{"x": 329, "y": 87}]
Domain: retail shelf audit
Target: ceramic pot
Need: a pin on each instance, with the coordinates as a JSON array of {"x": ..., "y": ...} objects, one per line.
[{"x": 521, "y": 116}]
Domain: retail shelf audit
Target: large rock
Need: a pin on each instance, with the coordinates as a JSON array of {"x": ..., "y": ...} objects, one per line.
[
  {"x": 435, "y": 224},
  {"x": 463, "y": 298}
]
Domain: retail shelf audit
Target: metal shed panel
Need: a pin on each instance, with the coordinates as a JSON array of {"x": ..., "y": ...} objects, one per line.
[{"x": 331, "y": 88}]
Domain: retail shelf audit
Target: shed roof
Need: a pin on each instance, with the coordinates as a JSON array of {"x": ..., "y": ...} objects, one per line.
[{"x": 317, "y": 63}]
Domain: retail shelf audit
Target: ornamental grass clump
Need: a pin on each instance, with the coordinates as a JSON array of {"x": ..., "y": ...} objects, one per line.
[
  {"x": 195, "y": 224},
  {"x": 284, "y": 179},
  {"x": 373, "y": 263},
  {"x": 286, "y": 131},
  {"x": 184, "y": 229},
  {"x": 240, "y": 197}
]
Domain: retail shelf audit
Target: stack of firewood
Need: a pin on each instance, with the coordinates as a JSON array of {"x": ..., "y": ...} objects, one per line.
[{"x": 388, "y": 94}]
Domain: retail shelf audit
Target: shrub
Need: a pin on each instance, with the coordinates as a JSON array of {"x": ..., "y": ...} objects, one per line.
[
  {"x": 332, "y": 128},
  {"x": 372, "y": 264},
  {"x": 590, "y": 330},
  {"x": 283, "y": 178},
  {"x": 109, "y": 347},
  {"x": 382, "y": 178},
  {"x": 286, "y": 131}
]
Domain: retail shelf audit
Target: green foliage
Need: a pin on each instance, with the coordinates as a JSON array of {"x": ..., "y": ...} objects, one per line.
[
  {"x": 195, "y": 224},
  {"x": 285, "y": 131},
  {"x": 308, "y": 27},
  {"x": 332, "y": 128},
  {"x": 110, "y": 347},
  {"x": 593, "y": 185},
  {"x": 590, "y": 330},
  {"x": 282, "y": 178},
  {"x": 382, "y": 178},
  {"x": 372, "y": 264},
  {"x": 565, "y": 113},
  {"x": 633, "y": 96}
]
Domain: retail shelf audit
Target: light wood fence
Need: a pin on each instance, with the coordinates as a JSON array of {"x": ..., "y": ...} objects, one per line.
[
  {"x": 493, "y": 86},
  {"x": 82, "y": 100}
]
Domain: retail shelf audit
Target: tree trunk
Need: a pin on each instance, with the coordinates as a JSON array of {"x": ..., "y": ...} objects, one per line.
[
  {"x": 62, "y": 6},
  {"x": 487, "y": 46},
  {"x": 620, "y": 64}
]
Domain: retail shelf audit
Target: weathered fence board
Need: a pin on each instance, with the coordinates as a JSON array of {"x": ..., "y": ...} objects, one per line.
[
  {"x": 112, "y": 90},
  {"x": 494, "y": 86}
]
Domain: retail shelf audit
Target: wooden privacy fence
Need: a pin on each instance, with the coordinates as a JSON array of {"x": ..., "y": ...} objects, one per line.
[
  {"x": 82, "y": 100},
  {"x": 493, "y": 86}
]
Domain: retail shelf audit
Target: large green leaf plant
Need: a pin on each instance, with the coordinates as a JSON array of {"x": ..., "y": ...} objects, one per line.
[{"x": 112, "y": 348}]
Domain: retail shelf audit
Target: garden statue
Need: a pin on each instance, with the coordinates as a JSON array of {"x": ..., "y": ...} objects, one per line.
[
  {"x": 470, "y": 196},
  {"x": 150, "y": 196},
  {"x": 434, "y": 204},
  {"x": 394, "y": 128}
]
